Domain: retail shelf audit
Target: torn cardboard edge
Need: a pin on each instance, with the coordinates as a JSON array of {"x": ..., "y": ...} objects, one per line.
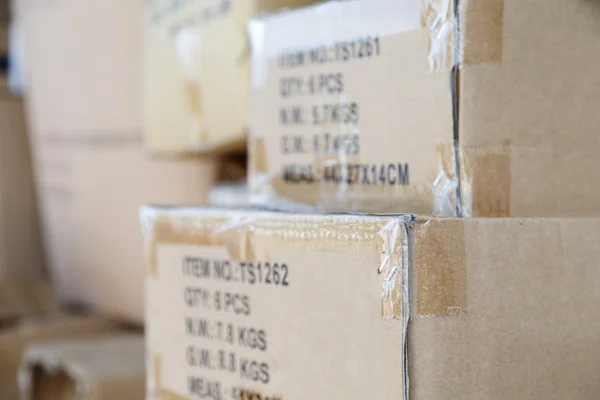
[
  {"x": 15, "y": 337},
  {"x": 414, "y": 283},
  {"x": 93, "y": 368}
]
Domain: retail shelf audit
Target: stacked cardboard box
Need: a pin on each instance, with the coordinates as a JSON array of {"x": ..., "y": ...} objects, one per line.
[
  {"x": 428, "y": 107},
  {"x": 23, "y": 286},
  {"x": 84, "y": 63},
  {"x": 29, "y": 310},
  {"x": 356, "y": 307},
  {"x": 197, "y": 72},
  {"x": 402, "y": 107}
]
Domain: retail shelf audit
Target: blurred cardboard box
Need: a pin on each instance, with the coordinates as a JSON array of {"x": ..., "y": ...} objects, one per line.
[
  {"x": 14, "y": 338},
  {"x": 362, "y": 111},
  {"x": 403, "y": 307},
  {"x": 27, "y": 297},
  {"x": 197, "y": 73},
  {"x": 84, "y": 101},
  {"x": 21, "y": 252},
  {"x": 107, "y": 367}
]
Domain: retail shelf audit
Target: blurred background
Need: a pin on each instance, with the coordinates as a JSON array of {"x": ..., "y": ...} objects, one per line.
[
  {"x": 73, "y": 173},
  {"x": 107, "y": 105}
]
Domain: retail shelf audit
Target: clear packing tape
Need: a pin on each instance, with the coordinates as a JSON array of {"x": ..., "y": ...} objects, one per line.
[
  {"x": 419, "y": 262},
  {"x": 415, "y": 285},
  {"x": 470, "y": 181},
  {"x": 482, "y": 186},
  {"x": 440, "y": 176}
]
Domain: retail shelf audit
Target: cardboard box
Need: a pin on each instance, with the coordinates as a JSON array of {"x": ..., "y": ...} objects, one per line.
[
  {"x": 27, "y": 297},
  {"x": 371, "y": 307},
  {"x": 21, "y": 253},
  {"x": 84, "y": 101},
  {"x": 107, "y": 367},
  {"x": 197, "y": 73},
  {"x": 16, "y": 337},
  {"x": 362, "y": 111}
]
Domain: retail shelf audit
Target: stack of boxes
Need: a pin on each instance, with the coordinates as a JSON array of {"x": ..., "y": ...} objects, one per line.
[
  {"x": 466, "y": 131},
  {"x": 420, "y": 219},
  {"x": 56, "y": 147},
  {"x": 84, "y": 101}
]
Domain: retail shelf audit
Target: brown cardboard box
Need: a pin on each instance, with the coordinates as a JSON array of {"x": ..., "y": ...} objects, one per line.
[
  {"x": 107, "y": 367},
  {"x": 365, "y": 307},
  {"x": 361, "y": 112},
  {"x": 26, "y": 297},
  {"x": 84, "y": 100},
  {"x": 21, "y": 254},
  {"x": 197, "y": 73},
  {"x": 16, "y": 337}
]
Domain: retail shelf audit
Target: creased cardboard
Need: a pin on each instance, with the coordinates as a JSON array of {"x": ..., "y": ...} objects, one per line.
[
  {"x": 196, "y": 82},
  {"x": 92, "y": 170},
  {"x": 384, "y": 83},
  {"x": 498, "y": 308},
  {"x": 106, "y": 367},
  {"x": 16, "y": 337}
]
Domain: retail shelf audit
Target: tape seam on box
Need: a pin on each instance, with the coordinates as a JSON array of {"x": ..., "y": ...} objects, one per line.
[
  {"x": 423, "y": 267},
  {"x": 438, "y": 17},
  {"x": 481, "y": 32},
  {"x": 486, "y": 180},
  {"x": 396, "y": 261}
]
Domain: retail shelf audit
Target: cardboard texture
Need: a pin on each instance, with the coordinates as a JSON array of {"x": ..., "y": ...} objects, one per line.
[
  {"x": 22, "y": 298},
  {"x": 16, "y": 337},
  {"x": 84, "y": 103},
  {"x": 21, "y": 254},
  {"x": 423, "y": 308},
  {"x": 107, "y": 367},
  {"x": 362, "y": 112},
  {"x": 196, "y": 81}
]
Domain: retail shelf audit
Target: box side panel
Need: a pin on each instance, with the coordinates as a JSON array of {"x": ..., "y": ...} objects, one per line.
[
  {"x": 348, "y": 116},
  {"x": 196, "y": 73},
  {"x": 318, "y": 274},
  {"x": 529, "y": 328},
  {"x": 529, "y": 83},
  {"x": 92, "y": 170}
]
